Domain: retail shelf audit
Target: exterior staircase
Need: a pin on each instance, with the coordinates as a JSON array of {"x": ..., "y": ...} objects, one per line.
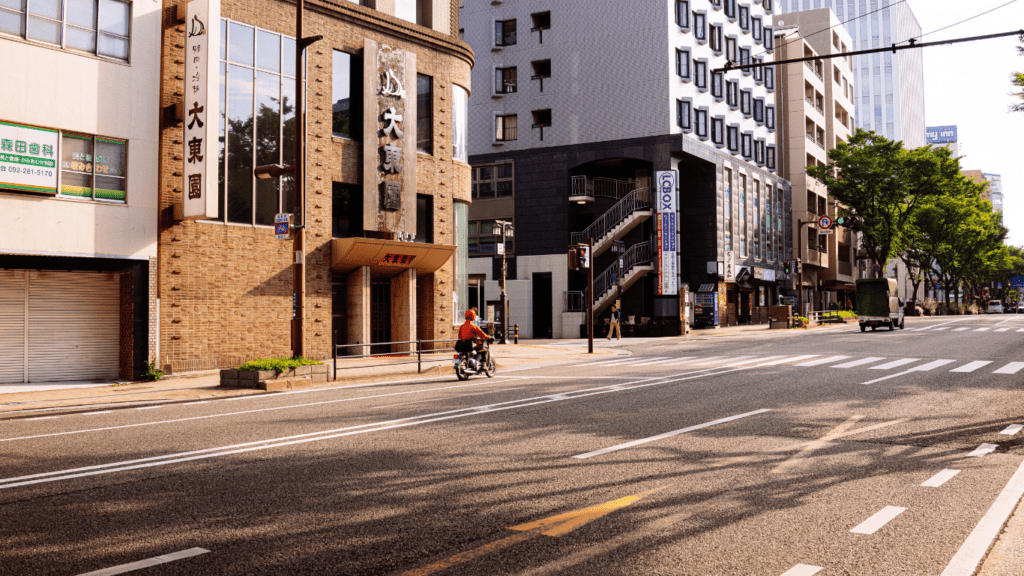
[
  {"x": 633, "y": 208},
  {"x": 637, "y": 261}
]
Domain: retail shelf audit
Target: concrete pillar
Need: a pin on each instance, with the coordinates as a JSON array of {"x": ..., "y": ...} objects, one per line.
[
  {"x": 403, "y": 310},
  {"x": 357, "y": 309}
]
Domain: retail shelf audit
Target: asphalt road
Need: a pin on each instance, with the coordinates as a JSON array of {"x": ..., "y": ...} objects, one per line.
[{"x": 793, "y": 452}]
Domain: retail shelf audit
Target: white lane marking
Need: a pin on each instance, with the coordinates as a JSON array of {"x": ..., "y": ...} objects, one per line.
[
  {"x": 922, "y": 368},
  {"x": 149, "y": 407},
  {"x": 194, "y": 403},
  {"x": 632, "y": 361},
  {"x": 741, "y": 360},
  {"x": 95, "y": 413},
  {"x": 970, "y": 554},
  {"x": 895, "y": 364},
  {"x": 1012, "y": 429},
  {"x": 940, "y": 478},
  {"x": 972, "y": 366},
  {"x": 1011, "y": 368},
  {"x": 681, "y": 360},
  {"x": 602, "y": 362},
  {"x": 656, "y": 362},
  {"x": 1002, "y": 329},
  {"x": 921, "y": 329},
  {"x": 881, "y": 518},
  {"x": 324, "y": 434},
  {"x": 860, "y": 362},
  {"x": 821, "y": 361},
  {"x": 983, "y": 450},
  {"x": 785, "y": 360},
  {"x": 43, "y": 418},
  {"x": 803, "y": 570},
  {"x": 669, "y": 434},
  {"x": 156, "y": 561},
  {"x": 943, "y": 328},
  {"x": 1020, "y": 330},
  {"x": 982, "y": 329},
  {"x": 706, "y": 360},
  {"x": 960, "y": 329}
]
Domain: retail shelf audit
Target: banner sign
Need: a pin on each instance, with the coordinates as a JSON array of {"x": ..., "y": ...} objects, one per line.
[
  {"x": 666, "y": 198},
  {"x": 28, "y": 158},
  {"x": 202, "y": 79}
]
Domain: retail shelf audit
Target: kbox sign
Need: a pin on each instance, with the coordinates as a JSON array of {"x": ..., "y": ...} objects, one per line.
[{"x": 667, "y": 184}]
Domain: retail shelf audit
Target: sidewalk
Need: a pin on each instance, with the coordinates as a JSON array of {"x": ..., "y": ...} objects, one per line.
[{"x": 188, "y": 387}]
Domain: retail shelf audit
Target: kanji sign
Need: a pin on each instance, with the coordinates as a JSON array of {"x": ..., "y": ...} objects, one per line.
[
  {"x": 27, "y": 158},
  {"x": 202, "y": 79},
  {"x": 397, "y": 260}
]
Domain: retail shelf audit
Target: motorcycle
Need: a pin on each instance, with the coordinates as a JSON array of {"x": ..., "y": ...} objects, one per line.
[{"x": 472, "y": 362}]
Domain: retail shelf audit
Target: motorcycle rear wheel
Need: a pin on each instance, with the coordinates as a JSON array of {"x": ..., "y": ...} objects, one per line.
[{"x": 460, "y": 370}]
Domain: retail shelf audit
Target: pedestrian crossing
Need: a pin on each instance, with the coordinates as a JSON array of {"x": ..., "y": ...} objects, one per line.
[
  {"x": 954, "y": 328},
  {"x": 806, "y": 361}
]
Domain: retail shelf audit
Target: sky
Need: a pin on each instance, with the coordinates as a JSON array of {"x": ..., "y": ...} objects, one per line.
[{"x": 968, "y": 85}]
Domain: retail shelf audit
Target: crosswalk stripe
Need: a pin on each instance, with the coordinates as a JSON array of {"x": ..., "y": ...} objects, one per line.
[
  {"x": 606, "y": 362},
  {"x": 1012, "y": 429},
  {"x": 1020, "y": 330},
  {"x": 640, "y": 360},
  {"x": 982, "y": 450},
  {"x": 982, "y": 329},
  {"x": 821, "y": 361},
  {"x": 972, "y": 366},
  {"x": 943, "y": 328},
  {"x": 1011, "y": 368},
  {"x": 931, "y": 365},
  {"x": 708, "y": 360},
  {"x": 940, "y": 478},
  {"x": 895, "y": 364},
  {"x": 656, "y": 362},
  {"x": 961, "y": 329},
  {"x": 920, "y": 329},
  {"x": 1002, "y": 329},
  {"x": 860, "y": 362},
  {"x": 786, "y": 360}
]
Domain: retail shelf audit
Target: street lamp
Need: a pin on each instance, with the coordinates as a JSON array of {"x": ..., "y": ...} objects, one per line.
[{"x": 503, "y": 230}]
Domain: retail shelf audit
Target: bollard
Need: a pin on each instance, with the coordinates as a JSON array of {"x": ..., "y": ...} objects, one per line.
[{"x": 515, "y": 335}]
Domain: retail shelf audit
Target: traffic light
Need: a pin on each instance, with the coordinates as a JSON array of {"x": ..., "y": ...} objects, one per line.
[
  {"x": 578, "y": 257},
  {"x": 849, "y": 221},
  {"x": 788, "y": 269}
]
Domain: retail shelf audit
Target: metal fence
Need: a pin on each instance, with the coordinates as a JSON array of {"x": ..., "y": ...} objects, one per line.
[{"x": 418, "y": 353}]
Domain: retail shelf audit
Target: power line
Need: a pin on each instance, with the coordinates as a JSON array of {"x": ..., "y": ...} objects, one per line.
[{"x": 962, "y": 21}]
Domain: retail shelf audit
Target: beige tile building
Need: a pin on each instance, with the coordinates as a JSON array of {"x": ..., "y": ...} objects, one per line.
[{"x": 816, "y": 111}]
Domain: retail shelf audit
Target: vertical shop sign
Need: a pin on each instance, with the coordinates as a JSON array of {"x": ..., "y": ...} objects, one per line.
[
  {"x": 28, "y": 159},
  {"x": 666, "y": 198},
  {"x": 202, "y": 40}
]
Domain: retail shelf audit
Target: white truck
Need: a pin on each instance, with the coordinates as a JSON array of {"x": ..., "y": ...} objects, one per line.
[{"x": 878, "y": 304}]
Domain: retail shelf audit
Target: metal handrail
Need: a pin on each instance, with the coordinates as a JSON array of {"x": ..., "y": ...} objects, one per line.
[
  {"x": 639, "y": 199},
  {"x": 418, "y": 352},
  {"x": 601, "y": 186},
  {"x": 637, "y": 254}
]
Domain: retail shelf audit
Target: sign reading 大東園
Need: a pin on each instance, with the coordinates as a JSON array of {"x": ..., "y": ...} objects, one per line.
[
  {"x": 202, "y": 79},
  {"x": 665, "y": 198},
  {"x": 28, "y": 158}
]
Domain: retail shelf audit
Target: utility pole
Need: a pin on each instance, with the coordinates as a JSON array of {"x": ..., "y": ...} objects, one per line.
[
  {"x": 503, "y": 229},
  {"x": 590, "y": 295},
  {"x": 800, "y": 268}
]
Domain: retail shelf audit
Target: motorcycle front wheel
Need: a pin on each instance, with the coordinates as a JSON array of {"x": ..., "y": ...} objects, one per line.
[{"x": 489, "y": 367}]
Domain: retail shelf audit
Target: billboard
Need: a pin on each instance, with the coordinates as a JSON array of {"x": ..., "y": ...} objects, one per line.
[
  {"x": 28, "y": 158},
  {"x": 940, "y": 134},
  {"x": 666, "y": 199}
]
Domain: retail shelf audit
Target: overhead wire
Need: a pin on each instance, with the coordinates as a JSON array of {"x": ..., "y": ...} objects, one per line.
[{"x": 958, "y": 23}]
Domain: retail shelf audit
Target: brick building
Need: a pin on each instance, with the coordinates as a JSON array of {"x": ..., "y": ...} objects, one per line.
[{"x": 386, "y": 192}]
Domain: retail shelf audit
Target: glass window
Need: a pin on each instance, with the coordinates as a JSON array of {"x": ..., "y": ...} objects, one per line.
[
  {"x": 424, "y": 219},
  {"x": 506, "y": 128},
  {"x": 406, "y": 10},
  {"x": 745, "y": 17},
  {"x": 717, "y": 85},
  {"x": 347, "y": 96},
  {"x": 700, "y": 26},
  {"x": 684, "y": 114},
  {"x": 347, "y": 210},
  {"x": 93, "y": 167},
  {"x": 493, "y": 181},
  {"x": 700, "y": 73},
  {"x": 717, "y": 131},
  {"x": 683, "y": 64},
  {"x": 424, "y": 114},
  {"x": 100, "y": 27},
  {"x": 727, "y": 209},
  {"x": 460, "y": 119},
  {"x": 700, "y": 118},
  {"x": 505, "y": 80},
  {"x": 505, "y": 33},
  {"x": 683, "y": 14}
]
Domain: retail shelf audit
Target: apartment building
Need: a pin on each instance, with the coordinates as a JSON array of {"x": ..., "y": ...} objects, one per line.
[
  {"x": 79, "y": 124},
  {"x": 890, "y": 86},
  {"x": 816, "y": 100},
  {"x": 579, "y": 106},
  {"x": 387, "y": 179}
]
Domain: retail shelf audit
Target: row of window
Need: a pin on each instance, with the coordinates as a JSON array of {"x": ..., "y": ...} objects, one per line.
[
  {"x": 696, "y": 70},
  {"x": 767, "y": 232},
  {"x": 505, "y": 30},
  {"x": 696, "y": 22},
  {"x": 696, "y": 120},
  {"x": 98, "y": 27},
  {"x": 506, "y": 80}
]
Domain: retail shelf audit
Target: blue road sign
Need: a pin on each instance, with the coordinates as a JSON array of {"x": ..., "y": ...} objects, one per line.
[{"x": 1017, "y": 282}]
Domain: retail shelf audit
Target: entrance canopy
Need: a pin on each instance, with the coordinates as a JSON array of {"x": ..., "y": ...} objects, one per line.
[{"x": 387, "y": 258}]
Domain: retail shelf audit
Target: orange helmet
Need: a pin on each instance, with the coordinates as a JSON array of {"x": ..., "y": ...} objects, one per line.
[{"x": 470, "y": 315}]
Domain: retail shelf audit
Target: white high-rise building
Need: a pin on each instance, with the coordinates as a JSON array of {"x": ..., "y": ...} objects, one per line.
[
  {"x": 890, "y": 87},
  {"x": 995, "y": 187}
]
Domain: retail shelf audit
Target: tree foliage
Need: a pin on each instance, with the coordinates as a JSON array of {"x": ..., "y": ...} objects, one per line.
[{"x": 1018, "y": 80}]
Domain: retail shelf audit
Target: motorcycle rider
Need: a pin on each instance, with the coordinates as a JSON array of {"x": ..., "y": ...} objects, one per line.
[{"x": 470, "y": 331}]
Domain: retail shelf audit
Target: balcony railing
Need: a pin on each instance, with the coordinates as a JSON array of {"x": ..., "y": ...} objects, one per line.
[{"x": 606, "y": 187}]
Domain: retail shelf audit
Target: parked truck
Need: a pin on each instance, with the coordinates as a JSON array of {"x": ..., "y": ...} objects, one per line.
[{"x": 878, "y": 304}]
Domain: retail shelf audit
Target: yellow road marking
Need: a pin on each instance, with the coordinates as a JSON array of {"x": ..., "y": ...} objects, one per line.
[
  {"x": 557, "y": 525},
  {"x": 837, "y": 432}
]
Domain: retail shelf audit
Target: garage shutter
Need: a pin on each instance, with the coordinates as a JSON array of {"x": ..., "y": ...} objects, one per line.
[
  {"x": 12, "y": 326},
  {"x": 74, "y": 326}
]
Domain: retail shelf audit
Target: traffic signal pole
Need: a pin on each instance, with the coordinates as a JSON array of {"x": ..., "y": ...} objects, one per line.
[{"x": 590, "y": 296}]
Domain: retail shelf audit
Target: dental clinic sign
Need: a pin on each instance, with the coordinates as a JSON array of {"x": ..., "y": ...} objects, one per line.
[
  {"x": 666, "y": 199},
  {"x": 28, "y": 159}
]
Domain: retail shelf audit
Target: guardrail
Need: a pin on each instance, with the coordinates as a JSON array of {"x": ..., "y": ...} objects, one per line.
[
  {"x": 639, "y": 199},
  {"x": 419, "y": 352},
  {"x": 827, "y": 317}
]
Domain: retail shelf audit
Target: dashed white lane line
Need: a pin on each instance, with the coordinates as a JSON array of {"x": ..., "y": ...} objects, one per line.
[
  {"x": 194, "y": 403},
  {"x": 156, "y": 561},
  {"x": 860, "y": 362},
  {"x": 1011, "y": 368},
  {"x": 940, "y": 478},
  {"x": 1012, "y": 429},
  {"x": 881, "y": 518},
  {"x": 960, "y": 329},
  {"x": 149, "y": 407},
  {"x": 42, "y": 418},
  {"x": 1002, "y": 329},
  {"x": 820, "y": 361},
  {"x": 95, "y": 413},
  {"x": 803, "y": 570},
  {"x": 982, "y": 329},
  {"x": 983, "y": 450},
  {"x": 1020, "y": 330},
  {"x": 972, "y": 366},
  {"x": 656, "y": 362},
  {"x": 944, "y": 328},
  {"x": 668, "y": 434},
  {"x": 895, "y": 364}
]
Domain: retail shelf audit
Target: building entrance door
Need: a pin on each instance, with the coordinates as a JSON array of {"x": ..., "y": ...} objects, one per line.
[
  {"x": 542, "y": 305},
  {"x": 380, "y": 314}
]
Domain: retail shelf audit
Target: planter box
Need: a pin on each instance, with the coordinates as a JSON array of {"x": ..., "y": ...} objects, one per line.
[{"x": 272, "y": 380}]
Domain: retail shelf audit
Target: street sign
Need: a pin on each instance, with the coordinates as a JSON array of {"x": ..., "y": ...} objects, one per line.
[
  {"x": 283, "y": 226},
  {"x": 824, "y": 223},
  {"x": 1017, "y": 282},
  {"x": 828, "y": 231},
  {"x": 501, "y": 247},
  {"x": 876, "y": 267},
  {"x": 999, "y": 285}
]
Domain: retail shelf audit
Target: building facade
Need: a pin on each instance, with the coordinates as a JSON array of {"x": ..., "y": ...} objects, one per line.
[
  {"x": 79, "y": 119},
  {"x": 995, "y": 188},
  {"x": 579, "y": 105},
  {"x": 387, "y": 183},
  {"x": 816, "y": 113},
  {"x": 890, "y": 86}
]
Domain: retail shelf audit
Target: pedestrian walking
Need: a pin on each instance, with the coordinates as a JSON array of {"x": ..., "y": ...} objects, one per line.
[{"x": 613, "y": 327}]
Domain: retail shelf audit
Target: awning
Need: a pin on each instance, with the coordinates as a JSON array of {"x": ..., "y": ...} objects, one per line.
[
  {"x": 388, "y": 258},
  {"x": 743, "y": 279},
  {"x": 707, "y": 288},
  {"x": 837, "y": 285}
]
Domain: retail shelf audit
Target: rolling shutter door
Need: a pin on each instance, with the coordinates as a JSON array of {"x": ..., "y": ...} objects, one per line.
[
  {"x": 12, "y": 326},
  {"x": 74, "y": 326}
]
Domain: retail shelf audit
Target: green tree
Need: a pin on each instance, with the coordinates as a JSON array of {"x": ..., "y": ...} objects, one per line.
[{"x": 1018, "y": 80}]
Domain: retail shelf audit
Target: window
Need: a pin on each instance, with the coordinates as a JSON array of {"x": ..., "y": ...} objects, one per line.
[
  {"x": 424, "y": 219},
  {"x": 769, "y": 78},
  {"x": 717, "y": 4},
  {"x": 541, "y": 70},
  {"x": 258, "y": 72},
  {"x": 424, "y": 114},
  {"x": 716, "y": 38},
  {"x": 759, "y": 110},
  {"x": 700, "y": 26},
  {"x": 745, "y": 59},
  {"x": 90, "y": 167},
  {"x": 683, "y": 14},
  {"x": 482, "y": 239},
  {"x": 769, "y": 8},
  {"x": 732, "y": 138},
  {"x": 100, "y": 27},
  {"x": 505, "y": 128},
  {"x": 683, "y": 64},
  {"x": 730, "y": 49},
  {"x": 505, "y": 33},
  {"x": 347, "y": 96},
  {"x": 684, "y": 114},
  {"x": 759, "y": 71},
  {"x": 542, "y": 120},
  {"x": 769, "y": 117},
  {"x": 759, "y": 151},
  {"x": 727, "y": 208},
  {"x": 505, "y": 80},
  {"x": 757, "y": 29},
  {"x": 769, "y": 157},
  {"x": 700, "y": 74},
  {"x": 460, "y": 120},
  {"x": 700, "y": 119},
  {"x": 730, "y": 9},
  {"x": 346, "y": 210},
  {"x": 732, "y": 93},
  {"x": 745, "y": 18},
  {"x": 745, "y": 105},
  {"x": 747, "y": 145},
  {"x": 718, "y": 131},
  {"x": 541, "y": 21},
  {"x": 718, "y": 85},
  {"x": 492, "y": 181},
  {"x": 769, "y": 39}
]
